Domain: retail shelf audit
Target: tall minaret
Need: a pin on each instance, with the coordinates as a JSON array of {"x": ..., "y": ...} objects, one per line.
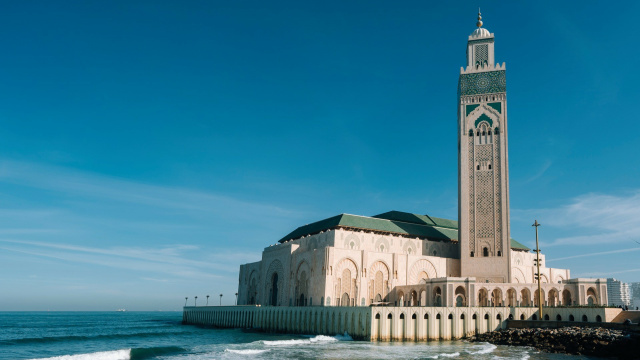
[{"x": 483, "y": 172}]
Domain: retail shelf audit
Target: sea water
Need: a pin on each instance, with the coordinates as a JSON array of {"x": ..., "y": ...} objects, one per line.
[{"x": 160, "y": 335}]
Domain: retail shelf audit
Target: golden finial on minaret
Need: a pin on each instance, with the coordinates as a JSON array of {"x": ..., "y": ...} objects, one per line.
[{"x": 479, "y": 23}]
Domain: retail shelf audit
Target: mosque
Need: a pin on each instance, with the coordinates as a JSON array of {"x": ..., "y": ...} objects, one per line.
[{"x": 403, "y": 259}]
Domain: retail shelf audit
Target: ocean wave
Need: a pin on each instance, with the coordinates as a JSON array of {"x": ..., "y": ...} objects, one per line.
[
  {"x": 444, "y": 355},
  {"x": 47, "y": 339},
  {"x": 484, "y": 349},
  {"x": 246, "y": 351},
  {"x": 124, "y": 354},
  {"x": 102, "y": 355},
  {"x": 313, "y": 340}
]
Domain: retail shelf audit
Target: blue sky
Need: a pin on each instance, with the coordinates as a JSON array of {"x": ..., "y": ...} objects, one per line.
[{"x": 150, "y": 147}]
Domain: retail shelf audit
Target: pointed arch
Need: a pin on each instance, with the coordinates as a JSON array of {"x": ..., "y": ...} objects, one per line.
[{"x": 419, "y": 267}]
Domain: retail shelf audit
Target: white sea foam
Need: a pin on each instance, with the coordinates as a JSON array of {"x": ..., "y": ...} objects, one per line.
[
  {"x": 313, "y": 340},
  {"x": 246, "y": 351},
  {"x": 103, "y": 355},
  {"x": 484, "y": 349},
  {"x": 445, "y": 355}
]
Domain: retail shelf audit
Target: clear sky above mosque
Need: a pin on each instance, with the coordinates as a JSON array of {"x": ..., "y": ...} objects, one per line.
[{"x": 149, "y": 148}]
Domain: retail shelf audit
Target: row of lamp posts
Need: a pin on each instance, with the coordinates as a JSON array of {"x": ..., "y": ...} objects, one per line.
[{"x": 195, "y": 300}]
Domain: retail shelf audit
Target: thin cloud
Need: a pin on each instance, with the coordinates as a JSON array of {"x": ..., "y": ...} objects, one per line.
[
  {"x": 540, "y": 172},
  {"x": 175, "y": 270},
  {"x": 165, "y": 256},
  {"x": 598, "y": 217},
  {"x": 88, "y": 185},
  {"x": 595, "y": 254}
]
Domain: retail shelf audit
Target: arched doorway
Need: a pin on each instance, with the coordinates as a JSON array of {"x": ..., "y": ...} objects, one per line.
[
  {"x": 274, "y": 290},
  {"x": 553, "y": 298},
  {"x": 496, "y": 297},
  {"x": 460, "y": 295},
  {"x": 344, "y": 301},
  {"x": 483, "y": 297},
  {"x": 566, "y": 298},
  {"x": 512, "y": 298},
  {"x": 591, "y": 297},
  {"x": 437, "y": 296},
  {"x": 525, "y": 297}
]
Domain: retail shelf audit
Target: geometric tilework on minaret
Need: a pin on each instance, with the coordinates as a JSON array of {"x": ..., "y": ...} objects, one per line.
[{"x": 483, "y": 176}]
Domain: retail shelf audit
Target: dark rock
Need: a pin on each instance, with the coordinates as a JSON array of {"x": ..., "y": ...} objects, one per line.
[{"x": 570, "y": 340}]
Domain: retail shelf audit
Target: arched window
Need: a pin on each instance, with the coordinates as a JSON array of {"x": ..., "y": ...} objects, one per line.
[
  {"x": 499, "y": 253},
  {"x": 450, "y": 316},
  {"x": 478, "y": 167},
  {"x": 490, "y": 169},
  {"x": 426, "y": 316},
  {"x": 522, "y": 317},
  {"x": 584, "y": 318},
  {"x": 378, "y": 316},
  {"x": 558, "y": 317},
  {"x": 472, "y": 254},
  {"x": 571, "y": 318},
  {"x": 389, "y": 316},
  {"x": 485, "y": 252}
]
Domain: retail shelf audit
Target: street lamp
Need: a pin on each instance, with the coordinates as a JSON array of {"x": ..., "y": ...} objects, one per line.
[
  {"x": 536, "y": 224},
  {"x": 220, "y": 299},
  {"x": 185, "y": 301},
  {"x": 194, "y": 301},
  {"x": 236, "y": 298},
  {"x": 207, "y": 300}
]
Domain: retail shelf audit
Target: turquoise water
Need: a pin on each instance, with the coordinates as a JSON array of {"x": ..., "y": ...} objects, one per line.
[{"x": 160, "y": 335}]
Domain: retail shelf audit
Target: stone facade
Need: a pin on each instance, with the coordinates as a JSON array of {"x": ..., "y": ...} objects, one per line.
[{"x": 402, "y": 259}]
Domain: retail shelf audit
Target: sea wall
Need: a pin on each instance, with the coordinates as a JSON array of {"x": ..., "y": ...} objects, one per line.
[{"x": 384, "y": 323}]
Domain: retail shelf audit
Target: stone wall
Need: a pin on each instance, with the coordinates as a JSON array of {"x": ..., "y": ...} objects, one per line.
[{"x": 380, "y": 323}]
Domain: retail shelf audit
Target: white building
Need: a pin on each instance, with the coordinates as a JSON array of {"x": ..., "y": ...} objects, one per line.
[
  {"x": 618, "y": 292},
  {"x": 400, "y": 258},
  {"x": 634, "y": 288}
]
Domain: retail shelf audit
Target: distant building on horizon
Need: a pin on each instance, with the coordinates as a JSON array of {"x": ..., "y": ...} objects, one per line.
[
  {"x": 618, "y": 292},
  {"x": 634, "y": 289}
]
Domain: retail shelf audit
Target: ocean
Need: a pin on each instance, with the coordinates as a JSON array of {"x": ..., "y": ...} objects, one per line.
[{"x": 160, "y": 335}]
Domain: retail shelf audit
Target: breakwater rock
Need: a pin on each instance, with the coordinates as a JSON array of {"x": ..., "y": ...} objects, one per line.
[{"x": 570, "y": 340}]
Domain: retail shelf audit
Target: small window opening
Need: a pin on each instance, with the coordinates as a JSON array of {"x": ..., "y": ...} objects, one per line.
[
  {"x": 472, "y": 254},
  {"x": 489, "y": 166},
  {"x": 478, "y": 167},
  {"x": 499, "y": 253},
  {"x": 485, "y": 252}
]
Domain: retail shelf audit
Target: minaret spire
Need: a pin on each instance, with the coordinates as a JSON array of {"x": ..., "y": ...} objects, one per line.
[{"x": 479, "y": 23}]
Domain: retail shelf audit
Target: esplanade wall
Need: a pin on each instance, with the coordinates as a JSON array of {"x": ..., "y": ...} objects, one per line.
[{"x": 383, "y": 323}]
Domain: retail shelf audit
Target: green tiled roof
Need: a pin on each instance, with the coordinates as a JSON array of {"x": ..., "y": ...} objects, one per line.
[
  {"x": 518, "y": 246},
  {"x": 396, "y": 222},
  {"x": 375, "y": 224}
]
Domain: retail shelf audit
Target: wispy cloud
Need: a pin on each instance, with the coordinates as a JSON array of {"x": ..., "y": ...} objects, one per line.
[
  {"x": 88, "y": 185},
  {"x": 600, "y": 253},
  {"x": 597, "y": 217},
  {"x": 540, "y": 172},
  {"x": 165, "y": 261},
  {"x": 609, "y": 273}
]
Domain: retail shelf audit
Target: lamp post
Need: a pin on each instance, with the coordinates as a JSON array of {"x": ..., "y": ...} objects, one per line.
[
  {"x": 185, "y": 300},
  {"x": 236, "y": 299},
  {"x": 220, "y": 299},
  {"x": 536, "y": 224},
  {"x": 207, "y": 300},
  {"x": 195, "y": 299}
]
